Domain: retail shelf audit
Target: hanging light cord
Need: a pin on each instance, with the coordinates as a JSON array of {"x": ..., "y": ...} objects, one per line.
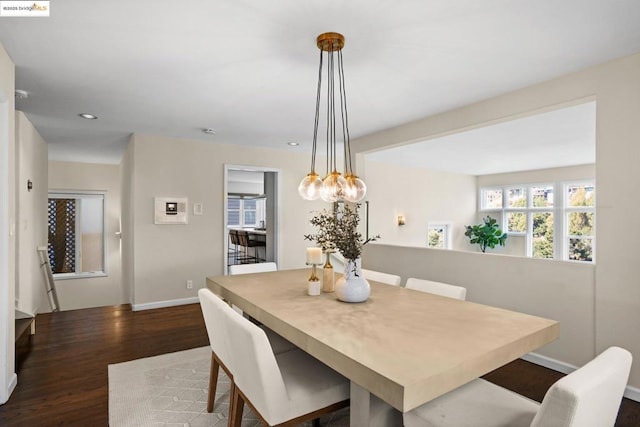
[
  {"x": 317, "y": 118},
  {"x": 331, "y": 124},
  {"x": 348, "y": 167}
]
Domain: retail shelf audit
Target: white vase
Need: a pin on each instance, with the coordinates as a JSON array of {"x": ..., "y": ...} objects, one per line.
[{"x": 352, "y": 287}]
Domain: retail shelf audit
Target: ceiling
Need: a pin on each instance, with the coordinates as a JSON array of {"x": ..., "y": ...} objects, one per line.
[
  {"x": 563, "y": 137},
  {"x": 248, "y": 68}
]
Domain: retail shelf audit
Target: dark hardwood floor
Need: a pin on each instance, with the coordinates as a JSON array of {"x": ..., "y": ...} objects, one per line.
[{"x": 63, "y": 379}]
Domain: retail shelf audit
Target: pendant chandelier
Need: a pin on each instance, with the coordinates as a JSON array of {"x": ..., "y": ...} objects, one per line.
[{"x": 334, "y": 186}]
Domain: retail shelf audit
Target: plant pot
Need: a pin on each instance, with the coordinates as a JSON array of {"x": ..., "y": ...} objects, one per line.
[{"x": 352, "y": 287}]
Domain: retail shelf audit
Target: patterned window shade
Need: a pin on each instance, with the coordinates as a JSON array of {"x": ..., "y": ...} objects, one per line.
[{"x": 62, "y": 235}]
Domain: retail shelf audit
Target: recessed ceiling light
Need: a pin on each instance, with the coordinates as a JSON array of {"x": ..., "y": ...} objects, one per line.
[
  {"x": 293, "y": 144},
  {"x": 88, "y": 116},
  {"x": 209, "y": 131}
]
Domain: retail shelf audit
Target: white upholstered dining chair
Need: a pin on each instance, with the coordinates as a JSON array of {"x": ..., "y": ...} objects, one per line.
[
  {"x": 290, "y": 387},
  {"x": 588, "y": 397},
  {"x": 220, "y": 356},
  {"x": 259, "y": 267},
  {"x": 386, "y": 278},
  {"x": 438, "y": 288},
  {"x": 279, "y": 344}
]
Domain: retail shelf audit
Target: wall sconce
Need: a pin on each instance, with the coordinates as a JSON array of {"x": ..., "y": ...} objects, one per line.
[
  {"x": 29, "y": 185},
  {"x": 400, "y": 220}
]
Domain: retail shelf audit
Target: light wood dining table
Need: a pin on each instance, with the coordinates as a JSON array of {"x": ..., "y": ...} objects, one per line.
[{"x": 404, "y": 346}]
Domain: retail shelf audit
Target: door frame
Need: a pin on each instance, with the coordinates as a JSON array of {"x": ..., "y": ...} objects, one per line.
[
  {"x": 8, "y": 377},
  {"x": 277, "y": 214}
]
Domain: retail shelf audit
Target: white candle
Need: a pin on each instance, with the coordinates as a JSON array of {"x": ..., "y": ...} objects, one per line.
[{"x": 314, "y": 256}]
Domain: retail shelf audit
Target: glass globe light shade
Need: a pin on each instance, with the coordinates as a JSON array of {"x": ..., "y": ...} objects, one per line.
[
  {"x": 333, "y": 187},
  {"x": 355, "y": 189},
  {"x": 309, "y": 188}
]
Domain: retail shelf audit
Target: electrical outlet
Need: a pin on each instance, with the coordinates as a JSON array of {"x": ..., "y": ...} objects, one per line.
[{"x": 189, "y": 284}]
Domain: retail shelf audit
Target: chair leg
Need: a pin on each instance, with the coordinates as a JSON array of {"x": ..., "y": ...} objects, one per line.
[
  {"x": 232, "y": 403},
  {"x": 237, "y": 406},
  {"x": 213, "y": 382}
]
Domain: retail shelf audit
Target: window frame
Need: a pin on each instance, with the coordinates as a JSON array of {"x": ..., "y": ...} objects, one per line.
[
  {"x": 446, "y": 226},
  {"x": 89, "y": 194},
  {"x": 560, "y": 211},
  {"x": 570, "y": 209}
]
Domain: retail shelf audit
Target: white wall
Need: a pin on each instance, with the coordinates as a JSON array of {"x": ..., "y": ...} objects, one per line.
[
  {"x": 127, "y": 184},
  {"x": 616, "y": 88},
  {"x": 245, "y": 182},
  {"x": 8, "y": 378},
  {"x": 166, "y": 256},
  {"x": 31, "y": 294},
  {"x": 570, "y": 173},
  {"x": 93, "y": 291},
  {"x": 556, "y": 290},
  {"x": 421, "y": 196}
]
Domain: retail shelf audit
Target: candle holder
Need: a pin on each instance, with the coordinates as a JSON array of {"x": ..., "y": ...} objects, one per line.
[
  {"x": 328, "y": 273},
  {"x": 314, "y": 281},
  {"x": 314, "y": 259}
]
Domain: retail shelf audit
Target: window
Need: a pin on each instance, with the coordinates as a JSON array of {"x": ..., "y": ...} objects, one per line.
[
  {"x": 538, "y": 213},
  {"x": 438, "y": 236},
  {"x": 245, "y": 212},
  {"x": 76, "y": 242},
  {"x": 580, "y": 220}
]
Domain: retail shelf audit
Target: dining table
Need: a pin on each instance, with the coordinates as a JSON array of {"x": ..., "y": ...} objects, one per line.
[{"x": 404, "y": 346}]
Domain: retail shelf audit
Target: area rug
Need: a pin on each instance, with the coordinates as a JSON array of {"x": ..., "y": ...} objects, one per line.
[{"x": 171, "y": 390}]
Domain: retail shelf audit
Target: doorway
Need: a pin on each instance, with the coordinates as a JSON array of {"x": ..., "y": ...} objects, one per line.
[{"x": 251, "y": 215}]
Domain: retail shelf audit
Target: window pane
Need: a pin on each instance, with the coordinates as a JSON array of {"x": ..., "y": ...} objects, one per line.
[
  {"x": 581, "y": 223},
  {"x": 581, "y": 195},
  {"x": 233, "y": 203},
  {"x": 62, "y": 235},
  {"x": 250, "y": 204},
  {"x": 517, "y": 197},
  {"x": 542, "y": 196},
  {"x": 492, "y": 199},
  {"x": 516, "y": 222},
  {"x": 233, "y": 211},
  {"x": 581, "y": 249},
  {"x": 542, "y": 235},
  {"x": 233, "y": 218},
  {"x": 91, "y": 234},
  {"x": 249, "y": 218}
]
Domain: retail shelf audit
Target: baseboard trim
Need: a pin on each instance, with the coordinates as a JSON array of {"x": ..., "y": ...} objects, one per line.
[
  {"x": 630, "y": 392},
  {"x": 163, "y": 304},
  {"x": 550, "y": 363}
]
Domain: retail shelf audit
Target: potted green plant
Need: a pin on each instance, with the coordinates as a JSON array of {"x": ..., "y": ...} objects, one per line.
[
  {"x": 486, "y": 235},
  {"x": 338, "y": 229}
]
